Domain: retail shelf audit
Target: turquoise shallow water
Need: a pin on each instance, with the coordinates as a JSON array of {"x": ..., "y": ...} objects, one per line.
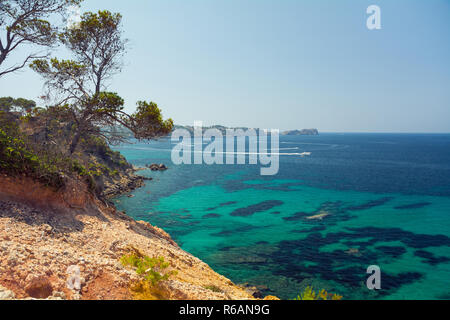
[{"x": 385, "y": 199}]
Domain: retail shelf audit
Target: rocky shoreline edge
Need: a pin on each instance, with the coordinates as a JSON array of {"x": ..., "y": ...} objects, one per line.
[
  {"x": 43, "y": 233},
  {"x": 127, "y": 183},
  {"x": 132, "y": 181}
]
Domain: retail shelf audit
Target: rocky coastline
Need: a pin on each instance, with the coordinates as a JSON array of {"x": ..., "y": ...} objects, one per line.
[
  {"x": 47, "y": 232},
  {"x": 129, "y": 181},
  {"x": 126, "y": 183}
]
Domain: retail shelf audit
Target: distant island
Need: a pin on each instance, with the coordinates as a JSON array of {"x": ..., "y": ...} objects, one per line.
[{"x": 304, "y": 132}]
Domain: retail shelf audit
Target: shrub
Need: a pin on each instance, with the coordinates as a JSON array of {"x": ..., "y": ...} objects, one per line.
[
  {"x": 213, "y": 288},
  {"x": 35, "y": 146},
  {"x": 16, "y": 157},
  {"x": 43, "y": 161},
  {"x": 310, "y": 294},
  {"x": 152, "y": 272},
  {"x": 149, "y": 268}
]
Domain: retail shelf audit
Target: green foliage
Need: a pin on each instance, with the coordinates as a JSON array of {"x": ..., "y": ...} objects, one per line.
[
  {"x": 28, "y": 22},
  {"x": 100, "y": 151},
  {"x": 45, "y": 144},
  {"x": 152, "y": 272},
  {"x": 98, "y": 33},
  {"x": 147, "y": 122},
  {"x": 310, "y": 294},
  {"x": 14, "y": 154},
  {"x": 79, "y": 168},
  {"x": 97, "y": 46},
  {"x": 65, "y": 68},
  {"x": 45, "y": 133},
  {"x": 16, "y": 157},
  {"x": 213, "y": 288},
  {"x": 24, "y": 104},
  {"x": 7, "y": 104},
  {"x": 151, "y": 269},
  {"x": 21, "y": 156},
  {"x": 106, "y": 103}
]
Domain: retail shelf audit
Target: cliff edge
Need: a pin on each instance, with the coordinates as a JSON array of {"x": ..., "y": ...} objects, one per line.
[{"x": 44, "y": 232}]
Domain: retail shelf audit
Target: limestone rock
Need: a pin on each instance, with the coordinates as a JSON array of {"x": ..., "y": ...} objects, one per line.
[
  {"x": 42, "y": 244},
  {"x": 6, "y": 294}
]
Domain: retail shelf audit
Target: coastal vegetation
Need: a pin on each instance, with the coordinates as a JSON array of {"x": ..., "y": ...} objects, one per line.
[
  {"x": 25, "y": 23},
  {"x": 309, "y": 294},
  {"x": 8, "y": 104},
  {"x": 78, "y": 84},
  {"x": 69, "y": 137},
  {"x": 34, "y": 146},
  {"x": 19, "y": 156},
  {"x": 151, "y": 271},
  {"x": 213, "y": 288}
]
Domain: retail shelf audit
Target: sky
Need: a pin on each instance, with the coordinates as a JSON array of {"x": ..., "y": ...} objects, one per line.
[{"x": 282, "y": 64}]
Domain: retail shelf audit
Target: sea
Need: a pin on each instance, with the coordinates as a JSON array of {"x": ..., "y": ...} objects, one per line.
[{"x": 354, "y": 200}]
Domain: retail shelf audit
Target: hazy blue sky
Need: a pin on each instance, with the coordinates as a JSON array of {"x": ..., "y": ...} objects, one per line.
[{"x": 283, "y": 63}]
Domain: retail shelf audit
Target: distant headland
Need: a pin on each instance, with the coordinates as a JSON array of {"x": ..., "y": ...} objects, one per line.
[
  {"x": 222, "y": 129},
  {"x": 304, "y": 132}
]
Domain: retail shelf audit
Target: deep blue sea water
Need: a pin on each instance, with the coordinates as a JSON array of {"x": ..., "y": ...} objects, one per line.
[{"x": 386, "y": 196}]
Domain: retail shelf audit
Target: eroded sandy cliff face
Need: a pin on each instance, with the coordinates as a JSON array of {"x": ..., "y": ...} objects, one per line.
[{"x": 44, "y": 232}]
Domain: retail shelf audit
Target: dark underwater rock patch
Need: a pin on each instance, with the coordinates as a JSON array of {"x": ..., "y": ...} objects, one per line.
[
  {"x": 413, "y": 206},
  {"x": 331, "y": 206},
  {"x": 444, "y": 296},
  {"x": 334, "y": 211},
  {"x": 253, "y": 257},
  {"x": 226, "y": 248},
  {"x": 393, "y": 251},
  {"x": 370, "y": 204},
  {"x": 293, "y": 258},
  {"x": 430, "y": 258},
  {"x": 413, "y": 240},
  {"x": 225, "y": 204},
  {"x": 260, "y": 207},
  {"x": 313, "y": 229},
  {"x": 211, "y": 216},
  {"x": 297, "y": 216},
  {"x": 229, "y": 232},
  {"x": 360, "y": 244},
  {"x": 391, "y": 282},
  {"x": 230, "y": 203}
]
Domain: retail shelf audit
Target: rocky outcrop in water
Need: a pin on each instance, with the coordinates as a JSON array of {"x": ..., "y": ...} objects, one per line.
[
  {"x": 124, "y": 183},
  {"x": 157, "y": 167}
]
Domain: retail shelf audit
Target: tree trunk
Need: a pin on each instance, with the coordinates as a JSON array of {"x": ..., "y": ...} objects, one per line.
[{"x": 74, "y": 143}]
